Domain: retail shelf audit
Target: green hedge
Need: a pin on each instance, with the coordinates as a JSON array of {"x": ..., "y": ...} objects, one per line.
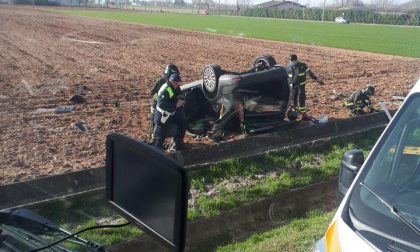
[{"x": 358, "y": 16}]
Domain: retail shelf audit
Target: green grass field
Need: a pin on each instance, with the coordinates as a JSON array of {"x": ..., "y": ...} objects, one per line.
[
  {"x": 299, "y": 235},
  {"x": 315, "y": 164},
  {"x": 394, "y": 40},
  {"x": 296, "y": 168}
]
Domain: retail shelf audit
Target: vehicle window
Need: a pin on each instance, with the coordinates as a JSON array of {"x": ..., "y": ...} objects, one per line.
[
  {"x": 399, "y": 161},
  {"x": 394, "y": 175}
]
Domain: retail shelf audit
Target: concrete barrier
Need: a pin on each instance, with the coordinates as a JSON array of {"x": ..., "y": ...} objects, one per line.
[{"x": 43, "y": 189}]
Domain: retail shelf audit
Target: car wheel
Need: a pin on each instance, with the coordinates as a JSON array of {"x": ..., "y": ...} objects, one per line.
[
  {"x": 264, "y": 62},
  {"x": 211, "y": 74}
]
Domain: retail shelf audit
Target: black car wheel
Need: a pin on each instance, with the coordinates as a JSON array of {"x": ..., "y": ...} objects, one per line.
[
  {"x": 264, "y": 62},
  {"x": 211, "y": 74}
]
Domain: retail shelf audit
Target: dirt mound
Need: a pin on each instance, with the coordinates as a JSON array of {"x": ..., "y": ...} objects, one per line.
[{"x": 45, "y": 58}]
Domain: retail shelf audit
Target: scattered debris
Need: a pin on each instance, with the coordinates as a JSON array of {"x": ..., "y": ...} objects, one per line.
[
  {"x": 44, "y": 110},
  {"x": 64, "y": 109},
  {"x": 334, "y": 107},
  {"x": 114, "y": 102},
  {"x": 57, "y": 110},
  {"x": 113, "y": 220},
  {"x": 83, "y": 89},
  {"x": 385, "y": 108},
  {"x": 320, "y": 121},
  {"x": 82, "y": 126},
  {"x": 337, "y": 96},
  {"x": 398, "y": 98},
  {"x": 77, "y": 99},
  {"x": 208, "y": 187},
  {"x": 259, "y": 176},
  {"x": 28, "y": 87}
]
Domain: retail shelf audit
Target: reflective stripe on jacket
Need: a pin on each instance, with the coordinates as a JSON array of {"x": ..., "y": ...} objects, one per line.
[
  {"x": 167, "y": 98},
  {"x": 297, "y": 72}
]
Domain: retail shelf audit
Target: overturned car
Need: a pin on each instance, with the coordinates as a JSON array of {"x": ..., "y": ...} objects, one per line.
[{"x": 256, "y": 99}]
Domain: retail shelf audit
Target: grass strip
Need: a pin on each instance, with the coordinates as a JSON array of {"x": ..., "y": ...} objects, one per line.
[
  {"x": 361, "y": 37},
  {"x": 88, "y": 212},
  {"x": 298, "y": 235},
  {"x": 217, "y": 189},
  {"x": 291, "y": 169}
]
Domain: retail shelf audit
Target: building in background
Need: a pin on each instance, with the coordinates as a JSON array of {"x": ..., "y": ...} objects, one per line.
[{"x": 282, "y": 5}]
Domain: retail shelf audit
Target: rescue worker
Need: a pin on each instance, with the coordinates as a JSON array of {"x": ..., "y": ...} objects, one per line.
[
  {"x": 297, "y": 72},
  {"x": 169, "y": 70},
  {"x": 169, "y": 109},
  {"x": 360, "y": 100}
]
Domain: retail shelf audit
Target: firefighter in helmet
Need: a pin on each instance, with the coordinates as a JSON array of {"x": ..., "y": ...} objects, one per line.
[
  {"x": 297, "y": 72},
  {"x": 360, "y": 100}
]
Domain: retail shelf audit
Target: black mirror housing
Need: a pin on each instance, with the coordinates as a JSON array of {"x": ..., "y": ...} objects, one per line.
[{"x": 350, "y": 165}]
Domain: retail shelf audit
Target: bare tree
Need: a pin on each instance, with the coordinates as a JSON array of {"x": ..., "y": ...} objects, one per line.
[
  {"x": 243, "y": 3},
  {"x": 197, "y": 4},
  {"x": 355, "y": 3},
  {"x": 386, "y": 4}
]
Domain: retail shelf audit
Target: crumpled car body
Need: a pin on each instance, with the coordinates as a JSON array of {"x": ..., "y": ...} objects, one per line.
[{"x": 263, "y": 91}]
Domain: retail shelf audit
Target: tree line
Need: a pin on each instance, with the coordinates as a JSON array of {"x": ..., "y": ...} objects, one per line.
[{"x": 358, "y": 16}]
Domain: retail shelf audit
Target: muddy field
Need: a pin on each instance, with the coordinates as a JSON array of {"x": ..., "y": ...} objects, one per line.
[{"x": 45, "y": 58}]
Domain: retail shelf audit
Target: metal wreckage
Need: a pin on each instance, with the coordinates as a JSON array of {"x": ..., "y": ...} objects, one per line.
[{"x": 254, "y": 101}]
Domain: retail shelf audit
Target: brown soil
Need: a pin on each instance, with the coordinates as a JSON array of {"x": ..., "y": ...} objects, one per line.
[{"x": 44, "y": 58}]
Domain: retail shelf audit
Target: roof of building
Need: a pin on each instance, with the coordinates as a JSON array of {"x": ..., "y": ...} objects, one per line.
[{"x": 275, "y": 3}]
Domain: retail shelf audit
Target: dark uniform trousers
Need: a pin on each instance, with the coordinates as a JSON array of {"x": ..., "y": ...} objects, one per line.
[
  {"x": 163, "y": 130},
  {"x": 299, "y": 93},
  {"x": 154, "y": 93},
  {"x": 166, "y": 103},
  {"x": 297, "y": 72}
]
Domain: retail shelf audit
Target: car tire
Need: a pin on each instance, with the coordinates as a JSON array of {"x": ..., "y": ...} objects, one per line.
[
  {"x": 210, "y": 86},
  {"x": 264, "y": 61}
]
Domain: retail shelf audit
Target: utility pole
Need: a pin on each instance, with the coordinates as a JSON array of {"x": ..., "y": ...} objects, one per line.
[
  {"x": 376, "y": 10},
  {"x": 323, "y": 10}
]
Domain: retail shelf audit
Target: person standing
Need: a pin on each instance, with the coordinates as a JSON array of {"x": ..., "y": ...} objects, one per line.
[
  {"x": 169, "y": 70},
  {"x": 170, "y": 110},
  {"x": 297, "y": 72}
]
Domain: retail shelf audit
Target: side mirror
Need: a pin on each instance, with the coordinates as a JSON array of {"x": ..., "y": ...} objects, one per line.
[
  {"x": 147, "y": 188},
  {"x": 350, "y": 165}
]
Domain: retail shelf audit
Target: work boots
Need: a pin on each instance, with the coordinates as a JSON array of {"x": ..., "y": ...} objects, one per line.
[{"x": 180, "y": 145}]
